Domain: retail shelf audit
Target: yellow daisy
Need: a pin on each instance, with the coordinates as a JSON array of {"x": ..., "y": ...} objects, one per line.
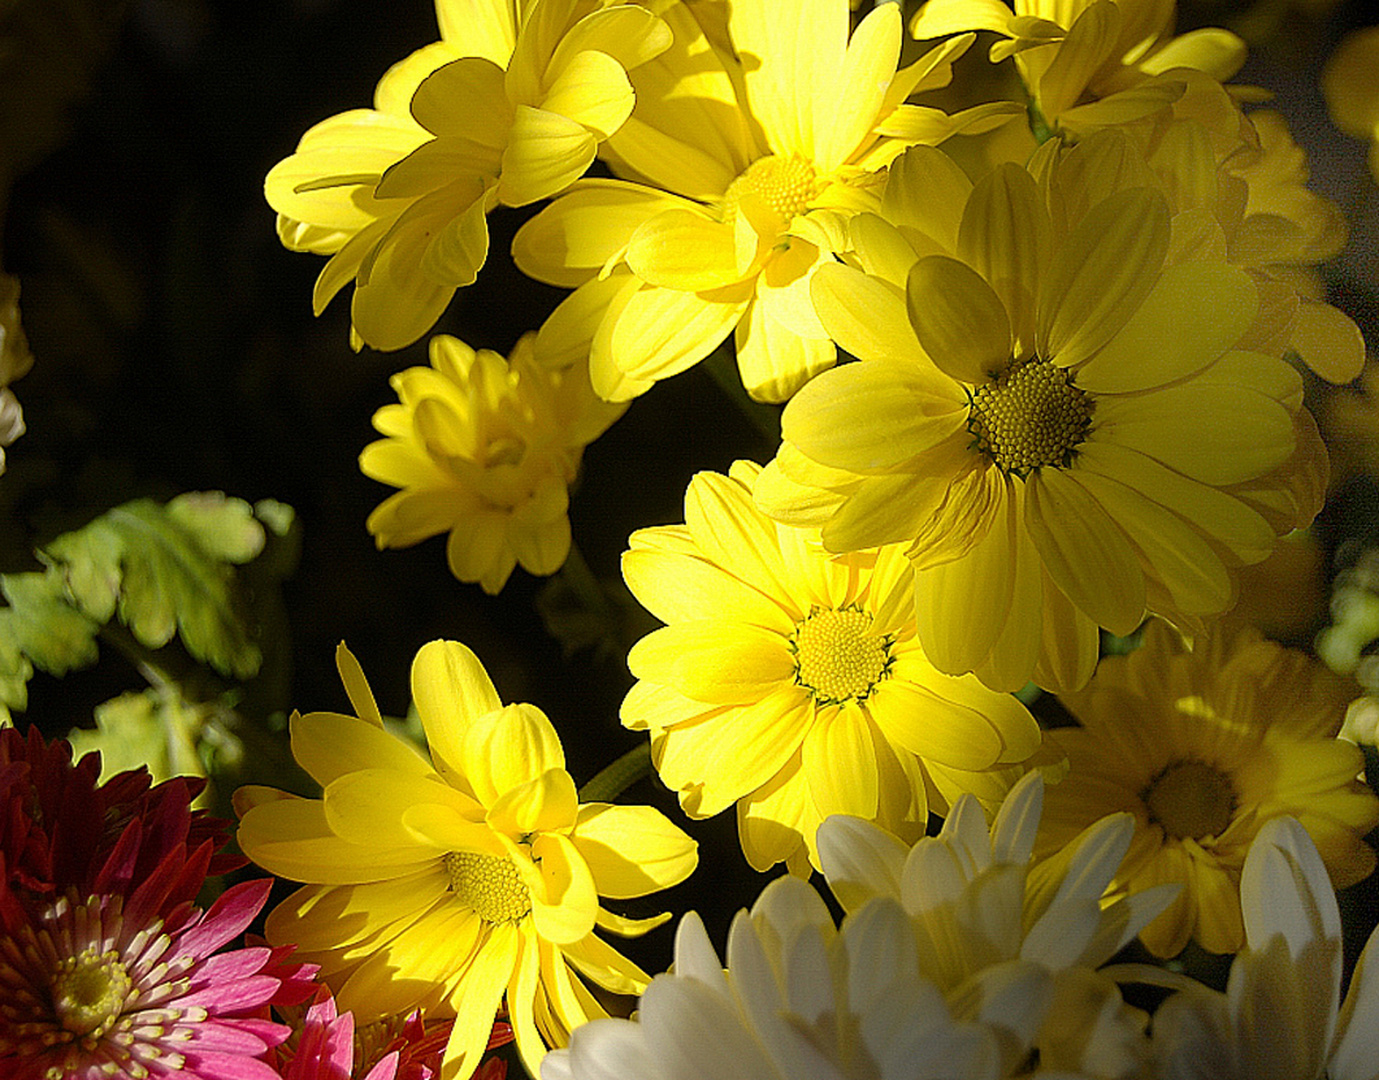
[
  {"x": 742, "y": 166},
  {"x": 791, "y": 683},
  {"x": 1087, "y": 63},
  {"x": 1056, "y": 460},
  {"x": 450, "y": 883},
  {"x": 1203, "y": 747},
  {"x": 507, "y": 108},
  {"x": 484, "y": 448}
]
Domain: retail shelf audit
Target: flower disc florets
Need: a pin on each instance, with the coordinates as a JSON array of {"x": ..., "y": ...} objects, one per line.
[
  {"x": 838, "y": 657},
  {"x": 785, "y": 184},
  {"x": 488, "y": 884},
  {"x": 1029, "y": 416}
]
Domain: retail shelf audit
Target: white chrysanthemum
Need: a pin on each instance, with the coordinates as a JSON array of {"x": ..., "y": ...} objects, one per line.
[
  {"x": 801, "y": 999},
  {"x": 970, "y": 907},
  {"x": 1279, "y": 1015}
]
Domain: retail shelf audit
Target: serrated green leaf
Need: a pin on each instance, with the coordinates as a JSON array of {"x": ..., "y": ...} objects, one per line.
[
  {"x": 39, "y": 628},
  {"x": 165, "y": 570},
  {"x": 157, "y": 728}
]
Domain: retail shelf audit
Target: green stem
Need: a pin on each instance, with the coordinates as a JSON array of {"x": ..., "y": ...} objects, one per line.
[
  {"x": 616, "y": 778},
  {"x": 723, "y": 370}
]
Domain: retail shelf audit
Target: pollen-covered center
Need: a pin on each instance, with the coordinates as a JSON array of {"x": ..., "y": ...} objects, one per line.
[
  {"x": 1029, "y": 416},
  {"x": 1190, "y": 798},
  {"x": 488, "y": 884},
  {"x": 787, "y": 185},
  {"x": 837, "y": 654},
  {"x": 90, "y": 991}
]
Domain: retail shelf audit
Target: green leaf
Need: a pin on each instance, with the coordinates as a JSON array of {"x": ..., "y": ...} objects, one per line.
[
  {"x": 165, "y": 570},
  {"x": 157, "y": 728},
  {"x": 39, "y": 628}
]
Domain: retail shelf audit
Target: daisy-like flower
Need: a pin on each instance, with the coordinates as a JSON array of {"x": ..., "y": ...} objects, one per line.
[
  {"x": 1202, "y": 748},
  {"x": 485, "y": 448},
  {"x": 744, "y": 161},
  {"x": 971, "y": 903},
  {"x": 801, "y": 998},
  {"x": 1350, "y": 81},
  {"x": 1090, "y": 62},
  {"x": 103, "y": 986},
  {"x": 1282, "y": 1013},
  {"x": 449, "y": 883},
  {"x": 507, "y": 108},
  {"x": 792, "y": 684},
  {"x": 1055, "y": 463}
]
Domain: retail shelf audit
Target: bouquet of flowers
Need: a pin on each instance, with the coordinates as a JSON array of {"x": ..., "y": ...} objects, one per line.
[{"x": 994, "y": 608}]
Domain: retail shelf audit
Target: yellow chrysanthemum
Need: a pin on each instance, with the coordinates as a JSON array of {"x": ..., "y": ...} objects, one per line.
[
  {"x": 1236, "y": 187},
  {"x": 1235, "y": 181},
  {"x": 1350, "y": 81},
  {"x": 1086, "y": 63},
  {"x": 451, "y": 882},
  {"x": 747, "y": 163},
  {"x": 1050, "y": 411},
  {"x": 1203, "y": 747},
  {"x": 791, "y": 683},
  {"x": 485, "y": 448},
  {"x": 507, "y": 108}
]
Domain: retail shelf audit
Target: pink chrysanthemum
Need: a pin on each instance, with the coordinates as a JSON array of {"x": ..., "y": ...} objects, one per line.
[{"x": 106, "y": 987}]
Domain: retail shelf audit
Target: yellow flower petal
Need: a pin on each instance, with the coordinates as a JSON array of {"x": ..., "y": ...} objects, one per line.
[
  {"x": 565, "y": 907},
  {"x": 1181, "y": 427},
  {"x": 290, "y": 837},
  {"x": 592, "y": 89},
  {"x": 366, "y": 807},
  {"x": 867, "y": 70},
  {"x": 773, "y": 360},
  {"x": 414, "y": 966},
  {"x": 508, "y": 748},
  {"x": 1105, "y": 268},
  {"x": 704, "y": 762},
  {"x": 674, "y": 587},
  {"x": 548, "y": 803},
  {"x": 683, "y": 249},
  {"x": 356, "y": 686},
  {"x": 1005, "y": 237},
  {"x": 329, "y": 745},
  {"x": 727, "y": 527},
  {"x": 1209, "y": 305},
  {"x": 711, "y": 661},
  {"x": 1084, "y": 550},
  {"x": 476, "y": 999},
  {"x": 874, "y": 414},
  {"x": 790, "y": 68},
  {"x": 839, "y": 759},
  {"x": 1328, "y": 340},
  {"x": 632, "y": 850},
  {"x": 661, "y": 332},
  {"x": 865, "y": 315},
  {"x": 586, "y": 230},
  {"x": 958, "y": 319},
  {"x": 450, "y": 688},
  {"x": 546, "y": 153}
]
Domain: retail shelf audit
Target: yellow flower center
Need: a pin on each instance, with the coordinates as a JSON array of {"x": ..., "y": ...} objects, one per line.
[
  {"x": 90, "y": 991},
  {"x": 1190, "y": 798},
  {"x": 488, "y": 884},
  {"x": 1029, "y": 416},
  {"x": 785, "y": 184},
  {"x": 838, "y": 656}
]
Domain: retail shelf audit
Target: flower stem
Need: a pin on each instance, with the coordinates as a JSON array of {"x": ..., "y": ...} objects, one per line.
[{"x": 616, "y": 778}]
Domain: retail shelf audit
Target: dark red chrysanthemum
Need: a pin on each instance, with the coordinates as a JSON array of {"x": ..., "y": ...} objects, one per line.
[{"x": 60, "y": 828}]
